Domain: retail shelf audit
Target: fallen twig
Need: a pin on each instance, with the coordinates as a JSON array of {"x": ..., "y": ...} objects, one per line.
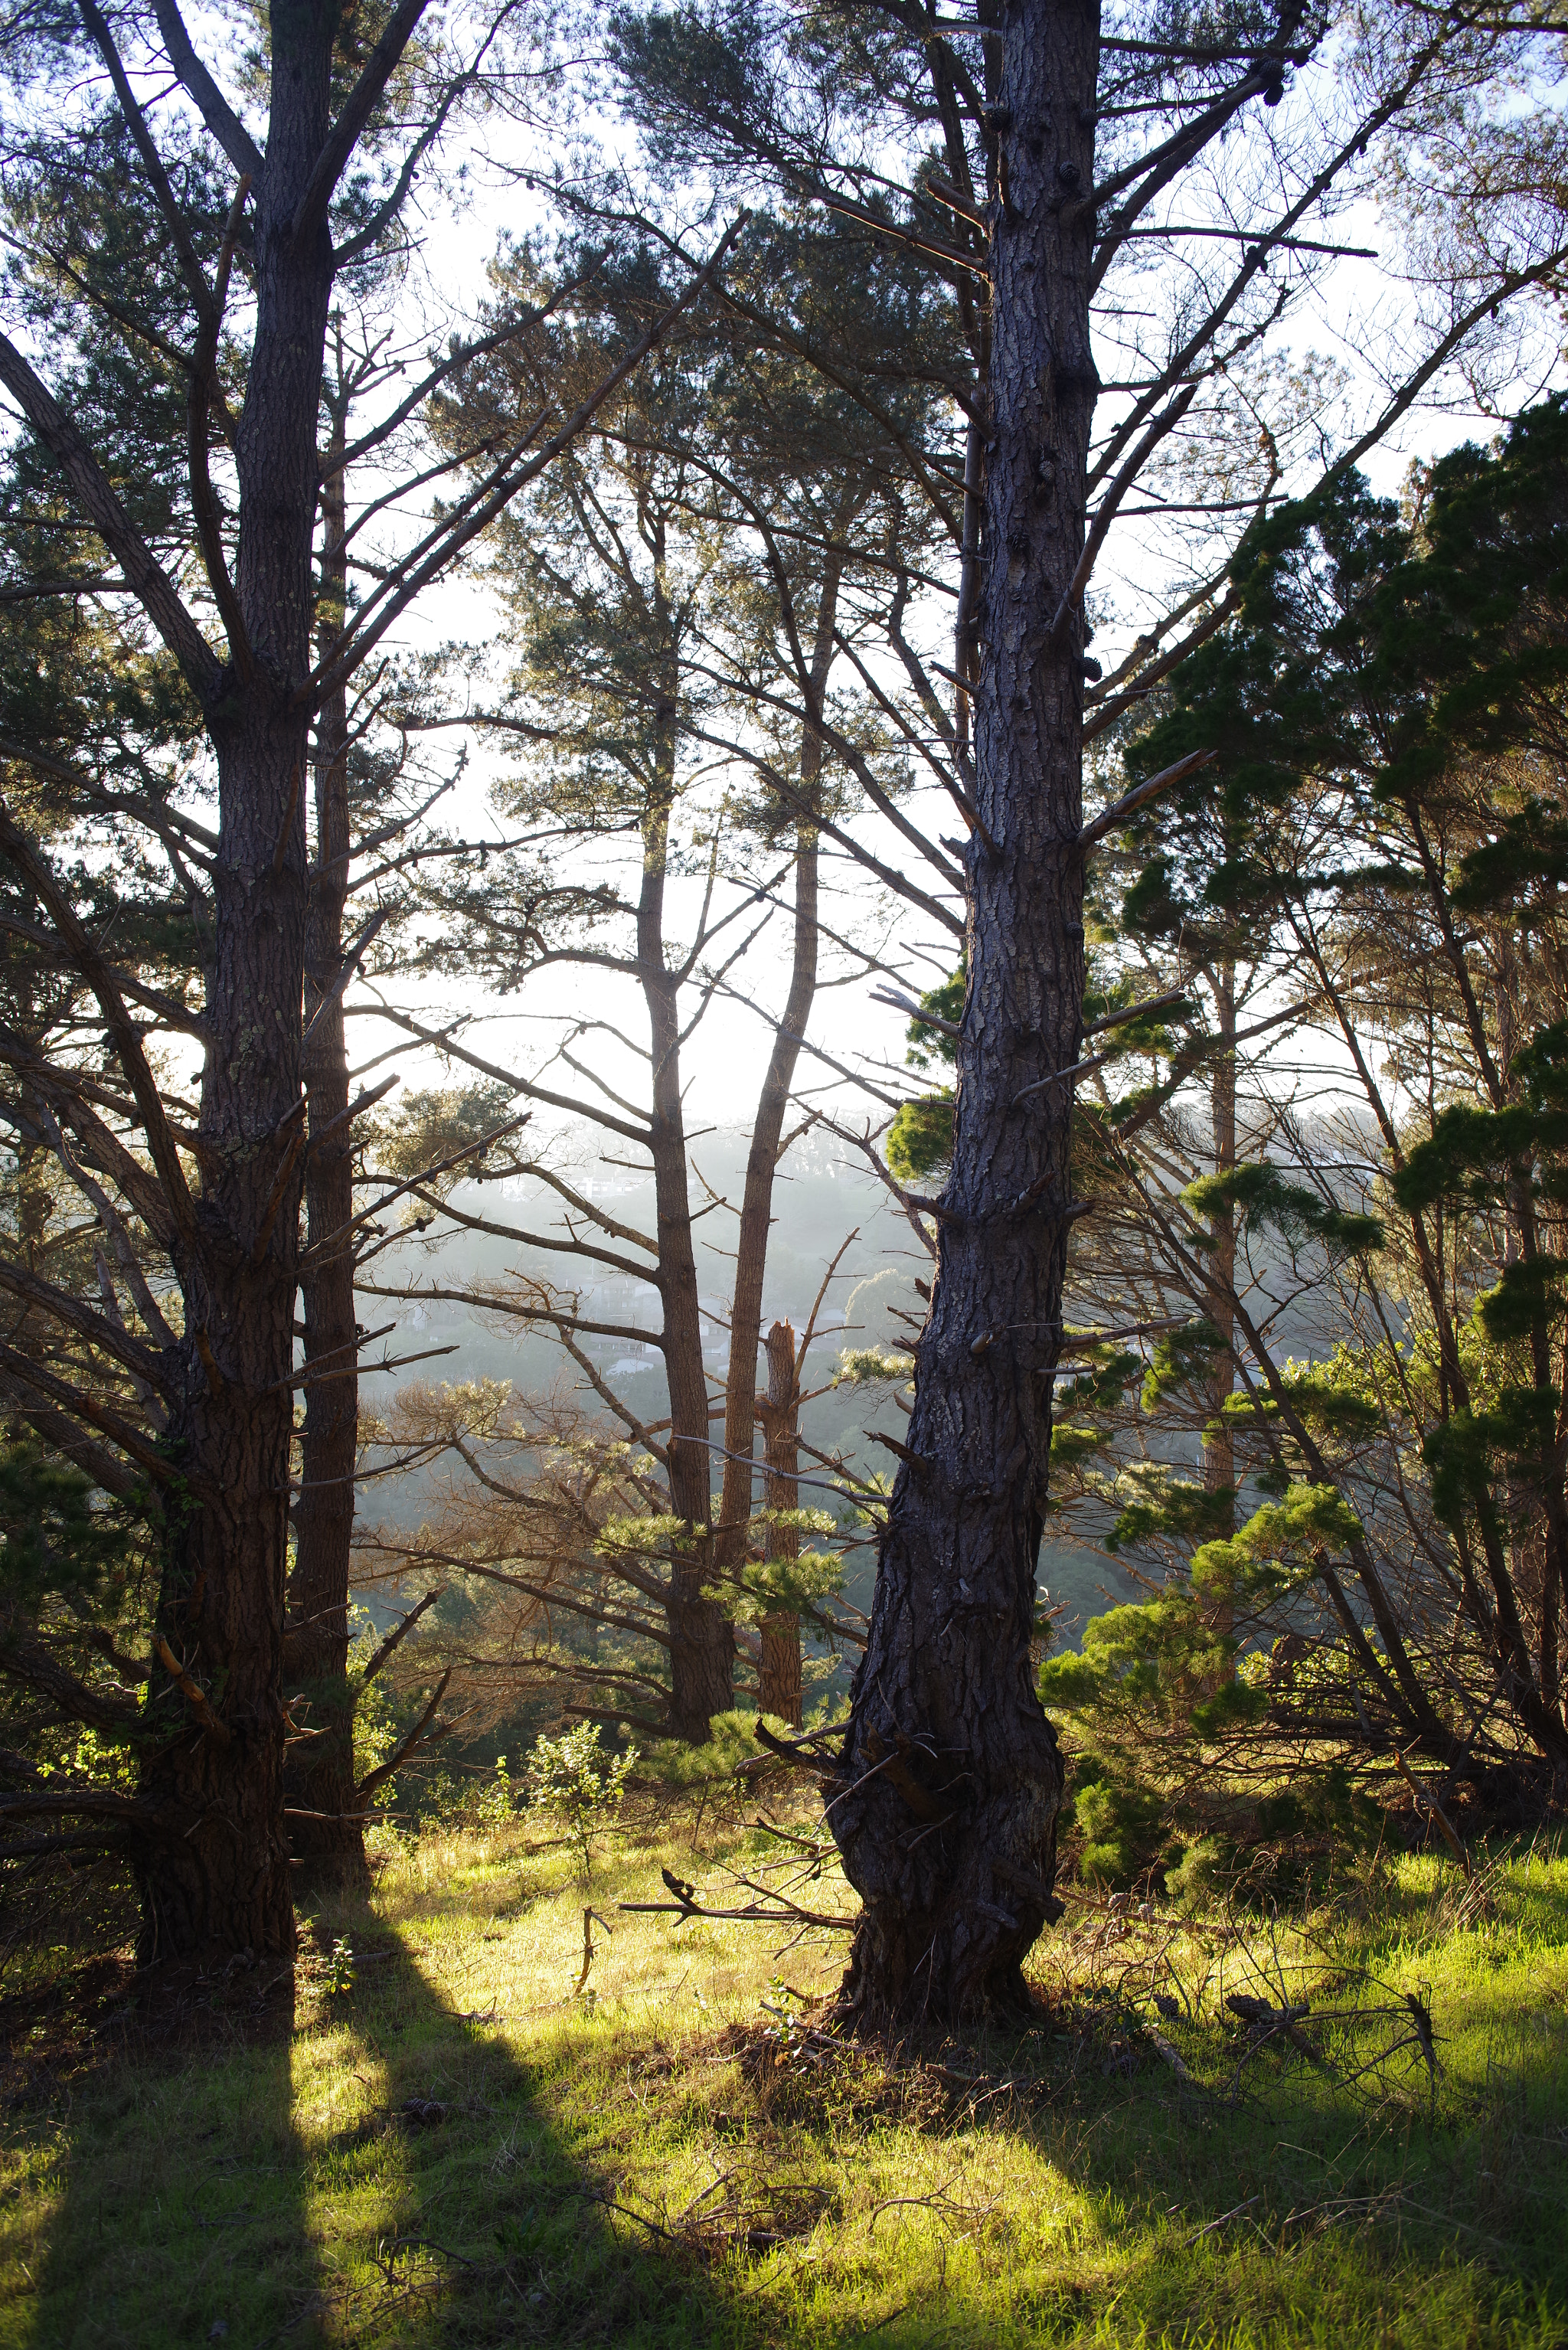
[
  {"x": 1171, "y": 2056},
  {"x": 939, "y": 2201},
  {"x": 1234, "y": 2213},
  {"x": 424, "y": 2244},
  {"x": 783, "y": 1912},
  {"x": 588, "y": 1918},
  {"x": 609, "y": 2204}
]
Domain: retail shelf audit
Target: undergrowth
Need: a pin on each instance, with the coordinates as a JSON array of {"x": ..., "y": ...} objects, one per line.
[{"x": 1347, "y": 2126}]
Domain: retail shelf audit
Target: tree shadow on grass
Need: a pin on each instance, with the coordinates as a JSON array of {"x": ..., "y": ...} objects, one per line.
[
  {"x": 461, "y": 2189},
  {"x": 161, "y": 2171},
  {"x": 386, "y": 2169},
  {"x": 1250, "y": 2178},
  {"x": 451, "y": 2204},
  {"x": 354, "y": 2164},
  {"x": 1116, "y": 2175}
]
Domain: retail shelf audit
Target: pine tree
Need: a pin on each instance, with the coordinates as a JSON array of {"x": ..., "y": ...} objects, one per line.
[
  {"x": 184, "y": 269},
  {"x": 1386, "y": 703},
  {"x": 1034, "y": 146}
]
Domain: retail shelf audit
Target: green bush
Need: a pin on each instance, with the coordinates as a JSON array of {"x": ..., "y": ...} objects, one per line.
[
  {"x": 574, "y": 1778},
  {"x": 1202, "y": 1874},
  {"x": 1121, "y": 1820}
]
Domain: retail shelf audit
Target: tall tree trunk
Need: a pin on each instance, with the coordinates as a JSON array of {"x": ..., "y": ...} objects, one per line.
[
  {"x": 217, "y": 1878},
  {"x": 1219, "y": 1442},
  {"x": 323, "y": 1823},
  {"x": 762, "y": 1162},
  {"x": 702, "y": 1637},
  {"x": 1540, "y": 1558},
  {"x": 779, "y": 1679},
  {"x": 950, "y": 1776}
]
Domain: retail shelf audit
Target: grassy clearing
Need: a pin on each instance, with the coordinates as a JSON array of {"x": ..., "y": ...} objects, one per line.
[{"x": 456, "y": 2150}]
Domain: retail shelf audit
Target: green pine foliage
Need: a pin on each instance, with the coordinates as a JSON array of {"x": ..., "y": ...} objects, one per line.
[
  {"x": 1387, "y": 818},
  {"x": 60, "y": 1537},
  {"x": 920, "y": 1140},
  {"x": 1262, "y": 1196}
]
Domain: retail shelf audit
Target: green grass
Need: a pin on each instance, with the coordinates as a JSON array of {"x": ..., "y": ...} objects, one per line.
[{"x": 646, "y": 2166}]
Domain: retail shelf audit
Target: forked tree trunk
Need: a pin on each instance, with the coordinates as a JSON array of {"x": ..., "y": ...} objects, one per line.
[
  {"x": 324, "y": 1829},
  {"x": 950, "y": 1773},
  {"x": 779, "y": 1686},
  {"x": 767, "y": 1128}
]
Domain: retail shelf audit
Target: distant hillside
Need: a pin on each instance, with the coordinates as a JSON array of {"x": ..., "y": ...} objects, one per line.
[{"x": 824, "y": 1193}]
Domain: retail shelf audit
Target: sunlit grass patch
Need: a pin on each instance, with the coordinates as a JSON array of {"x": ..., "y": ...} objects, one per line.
[{"x": 465, "y": 2141}]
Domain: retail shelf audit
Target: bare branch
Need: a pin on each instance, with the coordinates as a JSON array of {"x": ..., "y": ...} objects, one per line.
[
  {"x": 1105, "y": 512},
  {"x": 409, "y": 1746},
  {"x": 27, "y": 1660},
  {"x": 1116, "y": 814},
  {"x": 217, "y": 112},
  {"x": 446, "y": 1044},
  {"x": 496, "y": 492},
  {"x": 24, "y": 1371},
  {"x": 345, "y": 255},
  {"x": 96, "y": 1328},
  {"x": 68, "y": 1440},
  {"x": 398, "y": 1634}
]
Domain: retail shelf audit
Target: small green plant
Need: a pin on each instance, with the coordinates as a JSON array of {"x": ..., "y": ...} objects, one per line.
[
  {"x": 1121, "y": 1820},
  {"x": 339, "y": 1975},
  {"x": 573, "y": 1777},
  {"x": 498, "y": 1801},
  {"x": 376, "y": 1726},
  {"x": 1203, "y": 1875},
  {"x": 783, "y": 2033}
]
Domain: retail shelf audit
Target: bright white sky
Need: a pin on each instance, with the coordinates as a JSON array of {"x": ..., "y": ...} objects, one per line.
[
  {"x": 1358, "y": 309},
  {"x": 1358, "y": 306}
]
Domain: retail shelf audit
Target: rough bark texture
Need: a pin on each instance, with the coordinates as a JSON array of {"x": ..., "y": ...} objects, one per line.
[
  {"x": 779, "y": 1676},
  {"x": 950, "y": 1781},
  {"x": 219, "y": 1877},
  {"x": 324, "y": 1826}
]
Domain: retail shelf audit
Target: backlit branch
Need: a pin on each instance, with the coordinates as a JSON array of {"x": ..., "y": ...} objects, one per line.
[
  {"x": 101, "y": 507},
  {"x": 217, "y": 112}
]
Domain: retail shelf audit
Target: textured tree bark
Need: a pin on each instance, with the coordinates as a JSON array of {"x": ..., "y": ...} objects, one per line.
[
  {"x": 950, "y": 1781},
  {"x": 218, "y": 1878},
  {"x": 325, "y": 1830},
  {"x": 779, "y": 1681}
]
